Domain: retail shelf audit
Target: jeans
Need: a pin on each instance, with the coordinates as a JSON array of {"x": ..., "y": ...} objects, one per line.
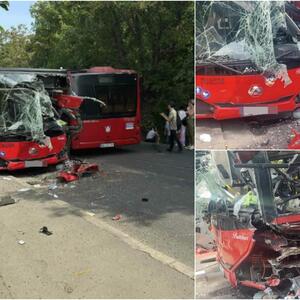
[{"x": 173, "y": 138}]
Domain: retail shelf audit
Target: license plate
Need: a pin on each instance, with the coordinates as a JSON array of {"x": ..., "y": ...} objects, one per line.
[
  {"x": 34, "y": 163},
  {"x": 107, "y": 145},
  {"x": 257, "y": 110},
  {"x": 129, "y": 126}
]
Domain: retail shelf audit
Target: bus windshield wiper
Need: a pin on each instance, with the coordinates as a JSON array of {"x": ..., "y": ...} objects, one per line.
[{"x": 95, "y": 99}]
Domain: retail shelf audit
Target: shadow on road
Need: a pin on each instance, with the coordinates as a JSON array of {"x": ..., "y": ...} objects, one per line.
[{"x": 139, "y": 183}]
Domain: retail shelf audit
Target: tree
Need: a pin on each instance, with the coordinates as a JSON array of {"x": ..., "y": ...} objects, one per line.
[
  {"x": 4, "y": 5},
  {"x": 15, "y": 46},
  {"x": 154, "y": 38}
]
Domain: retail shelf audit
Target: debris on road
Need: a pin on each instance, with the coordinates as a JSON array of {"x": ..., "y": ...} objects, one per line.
[
  {"x": 73, "y": 170},
  {"x": 145, "y": 199},
  {"x": 250, "y": 134},
  {"x": 93, "y": 204},
  {"x": 6, "y": 200},
  {"x": 45, "y": 231},
  {"x": 265, "y": 143},
  {"x": 116, "y": 218},
  {"x": 24, "y": 190},
  {"x": 205, "y": 137},
  {"x": 80, "y": 273},
  {"x": 68, "y": 289},
  {"x": 201, "y": 272},
  {"x": 21, "y": 242},
  {"x": 53, "y": 195},
  {"x": 91, "y": 214},
  {"x": 33, "y": 182},
  {"x": 52, "y": 186}
]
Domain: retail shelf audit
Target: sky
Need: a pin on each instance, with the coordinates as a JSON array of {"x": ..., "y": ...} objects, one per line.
[{"x": 18, "y": 13}]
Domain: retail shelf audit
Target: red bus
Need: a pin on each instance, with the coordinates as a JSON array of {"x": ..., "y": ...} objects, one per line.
[
  {"x": 235, "y": 76},
  {"x": 118, "y": 122},
  {"x": 30, "y": 132},
  {"x": 257, "y": 230}
]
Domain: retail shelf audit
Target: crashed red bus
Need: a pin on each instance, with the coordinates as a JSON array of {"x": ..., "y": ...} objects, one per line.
[
  {"x": 35, "y": 114},
  {"x": 114, "y": 122},
  {"x": 254, "y": 215},
  {"x": 248, "y": 60},
  {"x": 42, "y": 116}
]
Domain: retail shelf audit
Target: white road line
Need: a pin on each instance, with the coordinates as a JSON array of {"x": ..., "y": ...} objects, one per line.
[{"x": 134, "y": 243}]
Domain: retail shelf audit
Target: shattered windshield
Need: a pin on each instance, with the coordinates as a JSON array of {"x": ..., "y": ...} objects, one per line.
[
  {"x": 259, "y": 32},
  {"x": 218, "y": 186},
  {"x": 275, "y": 177},
  {"x": 24, "y": 104},
  {"x": 285, "y": 182},
  {"x": 244, "y": 184}
]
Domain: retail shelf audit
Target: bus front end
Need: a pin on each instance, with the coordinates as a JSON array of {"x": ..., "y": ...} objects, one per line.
[
  {"x": 30, "y": 132},
  {"x": 248, "y": 60},
  {"x": 110, "y": 111}
]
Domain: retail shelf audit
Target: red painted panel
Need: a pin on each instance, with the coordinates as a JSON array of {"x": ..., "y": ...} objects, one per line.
[
  {"x": 234, "y": 89},
  {"x": 97, "y": 132},
  {"x": 233, "y": 245},
  {"x": 20, "y": 150}
]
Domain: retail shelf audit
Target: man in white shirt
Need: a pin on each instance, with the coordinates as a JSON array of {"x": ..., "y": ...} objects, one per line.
[
  {"x": 152, "y": 136},
  {"x": 172, "y": 119}
]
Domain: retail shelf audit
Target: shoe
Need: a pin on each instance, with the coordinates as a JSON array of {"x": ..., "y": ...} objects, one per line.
[{"x": 191, "y": 148}]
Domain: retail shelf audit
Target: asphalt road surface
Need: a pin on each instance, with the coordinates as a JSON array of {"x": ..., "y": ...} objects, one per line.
[
  {"x": 151, "y": 190},
  {"x": 261, "y": 132}
]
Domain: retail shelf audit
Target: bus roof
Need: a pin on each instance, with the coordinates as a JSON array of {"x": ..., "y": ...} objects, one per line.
[
  {"x": 104, "y": 70},
  {"x": 34, "y": 70}
]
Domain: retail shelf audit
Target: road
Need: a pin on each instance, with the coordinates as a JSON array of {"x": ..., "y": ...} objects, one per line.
[
  {"x": 247, "y": 133},
  {"x": 166, "y": 220},
  {"x": 162, "y": 226}
]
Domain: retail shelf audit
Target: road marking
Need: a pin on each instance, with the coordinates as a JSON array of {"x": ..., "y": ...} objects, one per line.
[{"x": 132, "y": 242}]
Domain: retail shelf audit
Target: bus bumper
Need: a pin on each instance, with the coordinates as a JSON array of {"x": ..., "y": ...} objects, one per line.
[
  {"x": 206, "y": 111},
  {"x": 36, "y": 163},
  {"x": 77, "y": 144}
]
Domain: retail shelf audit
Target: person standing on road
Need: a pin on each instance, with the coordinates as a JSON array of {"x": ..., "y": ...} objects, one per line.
[
  {"x": 182, "y": 132},
  {"x": 190, "y": 124},
  {"x": 172, "y": 119}
]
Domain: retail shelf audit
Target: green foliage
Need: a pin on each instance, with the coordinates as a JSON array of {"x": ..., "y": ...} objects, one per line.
[
  {"x": 15, "y": 47},
  {"x": 154, "y": 38},
  {"x": 4, "y": 5}
]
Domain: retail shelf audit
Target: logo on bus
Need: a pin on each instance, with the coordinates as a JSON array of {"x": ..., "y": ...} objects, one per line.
[
  {"x": 240, "y": 237},
  {"x": 107, "y": 129}
]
